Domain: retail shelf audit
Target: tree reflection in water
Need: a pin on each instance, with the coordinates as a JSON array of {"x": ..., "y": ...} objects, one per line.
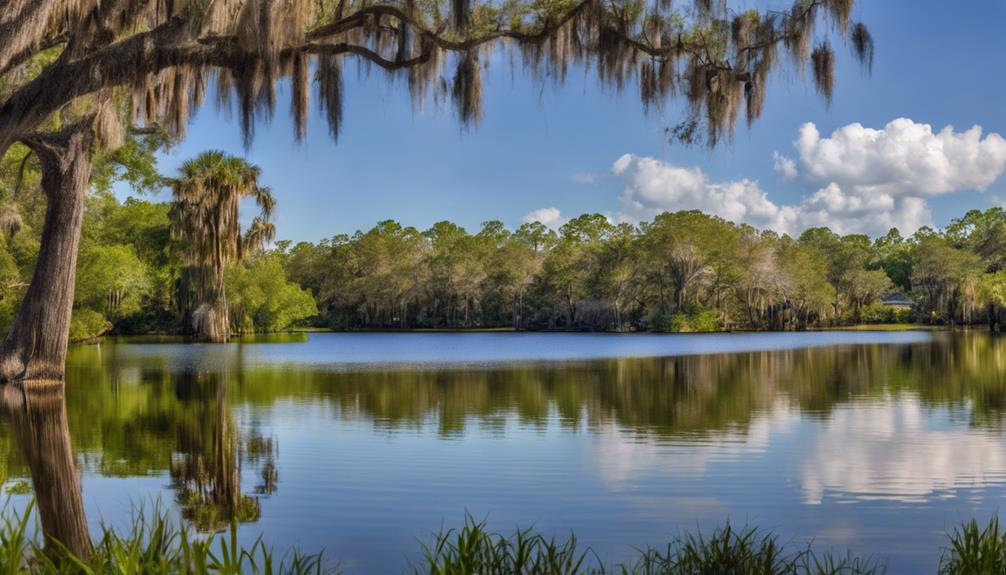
[
  {"x": 36, "y": 412},
  {"x": 200, "y": 416},
  {"x": 204, "y": 459},
  {"x": 206, "y": 465}
]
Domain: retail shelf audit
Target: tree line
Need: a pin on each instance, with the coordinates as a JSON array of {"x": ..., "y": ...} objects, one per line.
[
  {"x": 682, "y": 271},
  {"x": 156, "y": 267},
  {"x": 186, "y": 266}
]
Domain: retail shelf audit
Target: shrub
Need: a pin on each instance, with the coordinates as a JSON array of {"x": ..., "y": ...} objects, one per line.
[
  {"x": 87, "y": 324},
  {"x": 693, "y": 319},
  {"x": 878, "y": 313}
]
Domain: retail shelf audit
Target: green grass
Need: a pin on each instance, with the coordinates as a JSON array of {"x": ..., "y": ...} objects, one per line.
[
  {"x": 156, "y": 545},
  {"x": 975, "y": 550},
  {"x": 883, "y": 327},
  {"x": 725, "y": 551}
]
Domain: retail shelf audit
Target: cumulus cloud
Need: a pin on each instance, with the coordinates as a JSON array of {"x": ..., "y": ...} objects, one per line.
[
  {"x": 652, "y": 186},
  {"x": 551, "y": 217},
  {"x": 904, "y": 158},
  {"x": 786, "y": 166},
  {"x": 868, "y": 180}
]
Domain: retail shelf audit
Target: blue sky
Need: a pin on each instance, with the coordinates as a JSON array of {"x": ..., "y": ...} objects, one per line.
[{"x": 937, "y": 63}]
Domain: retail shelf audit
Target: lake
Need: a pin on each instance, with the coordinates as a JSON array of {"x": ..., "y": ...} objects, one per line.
[{"x": 365, "y": 444}]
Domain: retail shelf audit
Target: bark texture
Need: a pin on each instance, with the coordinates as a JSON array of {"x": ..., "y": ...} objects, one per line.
[{"x": 35, "y": 346}]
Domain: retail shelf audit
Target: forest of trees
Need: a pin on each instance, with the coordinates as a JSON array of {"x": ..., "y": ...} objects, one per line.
[
  {"x": 683, "y": 271},
  {"x": 135, "y": 271}
]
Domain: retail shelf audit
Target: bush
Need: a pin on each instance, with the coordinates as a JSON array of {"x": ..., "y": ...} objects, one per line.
[
  {"x": 87, "y": 324},
  {"x": 878, "y": 313},
  {"x": 692, "y": 320}
]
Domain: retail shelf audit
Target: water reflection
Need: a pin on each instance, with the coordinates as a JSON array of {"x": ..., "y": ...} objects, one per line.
[
  {"x": 36, "y": 413},
  {"x": 899, "y": 450},
  {"x": 378, "y": 458},
  {"x": 187, "y": 427},
  {"x": 208, "y": 454}
]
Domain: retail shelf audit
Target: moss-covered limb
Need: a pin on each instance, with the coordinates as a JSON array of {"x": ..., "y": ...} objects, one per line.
[{"x": 157, "y": 56}]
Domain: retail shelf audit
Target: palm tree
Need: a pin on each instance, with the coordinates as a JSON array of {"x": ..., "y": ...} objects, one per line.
[{"x": 205, "y": 217}]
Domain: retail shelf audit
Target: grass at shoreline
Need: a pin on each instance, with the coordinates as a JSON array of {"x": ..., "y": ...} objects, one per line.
[
  {"x": 178, "y": 338},
  {"x": 157, "y": 545},
  {"x": 885, "y": 327}
]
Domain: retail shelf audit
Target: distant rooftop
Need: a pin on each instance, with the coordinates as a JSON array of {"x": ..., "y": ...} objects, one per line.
[{"x": 898, "y": 299}]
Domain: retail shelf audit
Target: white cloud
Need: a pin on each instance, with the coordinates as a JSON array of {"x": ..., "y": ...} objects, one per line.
[
  {"x": 551, "y": 217},
  {"x": 891, "y": 449},
  {"x": 847, "y": 213},
  {"x": 902, "y": 159},
  {"x": 652, "y": 186},
  {"x": 868, "y": 180},
  {"x": 786, "y": 166}
]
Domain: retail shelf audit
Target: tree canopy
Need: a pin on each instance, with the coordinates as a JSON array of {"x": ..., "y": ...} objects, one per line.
[{"x": 149, "y": 62}]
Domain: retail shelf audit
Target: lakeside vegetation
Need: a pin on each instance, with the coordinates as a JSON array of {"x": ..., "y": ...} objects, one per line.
[
  {"x": 683, "y": 271},
  {"x": 165, "y": 267},
  {"x": 142, "y": 270},
  {"x": 157, "y": 545},
  {"x": 187, "y": 266}
]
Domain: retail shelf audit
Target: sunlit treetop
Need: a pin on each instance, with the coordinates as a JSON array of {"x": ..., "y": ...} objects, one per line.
[{"x": 138, "y": 63}]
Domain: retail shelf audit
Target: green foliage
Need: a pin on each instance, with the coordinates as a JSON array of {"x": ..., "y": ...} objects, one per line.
[
  {"x": 596, "y": 275},
  {"x": 877, "y": 313},
  {"x": 134, "y": 163},
  {"x": 261, "y": 298},
  {"x": 749, "y": 551},
  {"x": 87, "y": 324},
  {"x": 474, "y": 549},
  {"x": 975, "y": 550},
  {"x": 992, "y": 289},
  {"x": 155, "y": 545},
  {"x": 18, "y": 488},
  {"x": 694, "y": 319},
  {"x": 111, "y": 279},
  {"x": 724, "y": 551}
]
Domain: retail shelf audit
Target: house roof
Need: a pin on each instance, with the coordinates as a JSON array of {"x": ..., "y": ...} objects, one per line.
[{"x": 896, "y": 299}]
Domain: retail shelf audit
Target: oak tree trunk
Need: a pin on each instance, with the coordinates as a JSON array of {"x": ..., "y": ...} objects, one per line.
[{"x": 35, "y": 346}]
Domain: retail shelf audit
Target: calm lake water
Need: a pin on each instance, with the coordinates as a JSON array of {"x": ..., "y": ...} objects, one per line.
[{"x": 365, "y": 444}]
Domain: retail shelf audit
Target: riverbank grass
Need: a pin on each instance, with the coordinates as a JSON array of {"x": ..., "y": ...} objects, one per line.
[
  {"x": 156, "y": 545},
  {"x": 725, "y": 551}
]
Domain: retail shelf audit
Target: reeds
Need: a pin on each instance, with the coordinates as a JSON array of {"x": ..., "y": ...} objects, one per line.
[
  {"x": 975, "y": 550},
  {"x": 725, "y": 551},
  {"x": 155, "y": 545}
]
